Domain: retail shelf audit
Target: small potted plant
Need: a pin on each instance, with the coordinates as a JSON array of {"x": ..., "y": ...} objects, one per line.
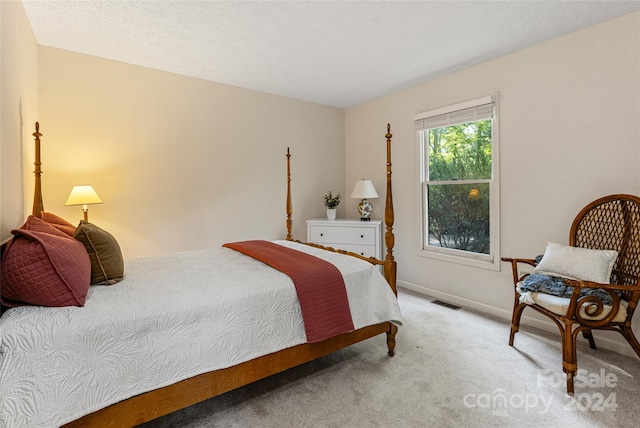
[{"x": 331, "y": 202}]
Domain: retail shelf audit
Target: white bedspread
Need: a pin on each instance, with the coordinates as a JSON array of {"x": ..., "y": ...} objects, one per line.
[{"x": 171, "y": 318}]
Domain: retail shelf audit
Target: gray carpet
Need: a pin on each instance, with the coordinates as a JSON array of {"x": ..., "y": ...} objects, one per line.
[{"x": 451, "y": 369}]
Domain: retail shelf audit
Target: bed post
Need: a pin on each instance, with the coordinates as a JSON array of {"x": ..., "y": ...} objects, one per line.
[
  {"x": 37, "y": 196},
  {"x": 389, "y": 261},
  {"x": 289, "y": 206},
  {"x": 389, "y": 240}
]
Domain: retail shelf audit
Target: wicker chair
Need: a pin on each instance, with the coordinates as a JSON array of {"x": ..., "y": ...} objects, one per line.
[{"x": 609, "y": 223}]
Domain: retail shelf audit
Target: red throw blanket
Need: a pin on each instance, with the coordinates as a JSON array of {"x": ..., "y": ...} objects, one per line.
[{"x": 320, "y": 287}]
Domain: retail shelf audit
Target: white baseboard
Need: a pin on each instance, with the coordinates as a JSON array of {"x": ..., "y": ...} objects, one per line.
[{"x": 621, "y": 346}]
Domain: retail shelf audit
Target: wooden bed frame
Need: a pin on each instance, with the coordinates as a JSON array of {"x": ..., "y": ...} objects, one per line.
[{"x": 154, "y": 404}]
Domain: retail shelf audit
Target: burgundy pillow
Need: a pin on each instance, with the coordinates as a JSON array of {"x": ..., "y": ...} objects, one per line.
[
  {"x": 36, "y": 224},
  {"x": 59, "y": 223},
  {"x": 45, "y": 267}
]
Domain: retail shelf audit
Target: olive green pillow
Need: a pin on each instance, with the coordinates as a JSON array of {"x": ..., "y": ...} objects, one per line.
[{"x": 107, "y": 264}]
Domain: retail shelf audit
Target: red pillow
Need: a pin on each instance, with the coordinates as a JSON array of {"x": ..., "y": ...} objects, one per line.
[
  {"x": 59, "y": 223},
  {"x": 36, "y": 224},
  {"x": 43, "y": 266}
]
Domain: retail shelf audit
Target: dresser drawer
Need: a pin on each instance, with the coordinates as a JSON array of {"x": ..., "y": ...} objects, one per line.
[
  {"x": 342, "y": 235},
  {"x": 363, "y": 238}
]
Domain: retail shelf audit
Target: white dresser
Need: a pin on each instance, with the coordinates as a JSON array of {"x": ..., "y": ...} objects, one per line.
[{"x": 360, "y": 237}]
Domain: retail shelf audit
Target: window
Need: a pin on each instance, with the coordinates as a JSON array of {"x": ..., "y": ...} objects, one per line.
[{"x": 458, "y": 148}]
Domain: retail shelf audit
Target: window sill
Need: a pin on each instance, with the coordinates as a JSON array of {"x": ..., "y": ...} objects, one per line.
[{"x": 471, "y": 261}]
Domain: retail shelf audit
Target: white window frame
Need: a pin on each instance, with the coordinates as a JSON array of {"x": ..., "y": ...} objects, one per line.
[{"x": 442, "y": 117}]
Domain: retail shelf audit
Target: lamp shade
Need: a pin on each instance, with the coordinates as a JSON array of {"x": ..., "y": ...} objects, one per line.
[
  {"x": 364, "y": 190},
  {"x": 83, "y": 195}
]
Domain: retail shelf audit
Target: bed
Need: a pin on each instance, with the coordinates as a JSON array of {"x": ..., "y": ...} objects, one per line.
[{"x": 216, "y": 320}]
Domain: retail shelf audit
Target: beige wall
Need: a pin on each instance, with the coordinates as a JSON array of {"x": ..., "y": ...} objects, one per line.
[
  {"x": 18, "y": 112},
  {"x": 569, "y": 133},
  {"x": 181, "y": 163}
]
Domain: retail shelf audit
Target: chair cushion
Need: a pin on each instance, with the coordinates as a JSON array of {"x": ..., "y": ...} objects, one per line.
[
  {"x": 577, "y": 263},
  {"x": 107, "y": 264},
  {"x": 560, "y": 305},
  {"x": 45, "y": 267}
]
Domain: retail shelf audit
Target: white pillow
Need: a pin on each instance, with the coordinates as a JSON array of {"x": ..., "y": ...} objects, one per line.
[{"x": 577, "y": 263}]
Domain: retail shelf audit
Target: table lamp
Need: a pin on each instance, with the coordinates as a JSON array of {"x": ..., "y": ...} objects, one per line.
[
  {"x": 364, "y": 190},
  {"x": 83, "y": 195}
]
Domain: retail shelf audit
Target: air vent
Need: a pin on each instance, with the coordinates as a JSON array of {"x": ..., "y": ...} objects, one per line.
[{"x": 445, "y": 304}]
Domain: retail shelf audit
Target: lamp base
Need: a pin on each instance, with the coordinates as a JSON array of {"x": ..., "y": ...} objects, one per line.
[{"x": 365, "y": 209}]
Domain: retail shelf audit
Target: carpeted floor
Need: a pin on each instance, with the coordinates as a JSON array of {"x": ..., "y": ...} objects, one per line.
[{"x": 451, "y": 369}]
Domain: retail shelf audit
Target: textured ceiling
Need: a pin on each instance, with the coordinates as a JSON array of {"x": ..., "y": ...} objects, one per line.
[{"x": 337, "y": 53}]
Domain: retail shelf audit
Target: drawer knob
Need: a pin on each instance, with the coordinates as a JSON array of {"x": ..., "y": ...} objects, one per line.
[
  {"x": 322, "y": 234},
  {"x": 362, "y": 236}
]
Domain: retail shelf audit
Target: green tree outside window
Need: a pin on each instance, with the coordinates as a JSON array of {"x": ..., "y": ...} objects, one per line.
[{"x": 458, "y": 185}]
